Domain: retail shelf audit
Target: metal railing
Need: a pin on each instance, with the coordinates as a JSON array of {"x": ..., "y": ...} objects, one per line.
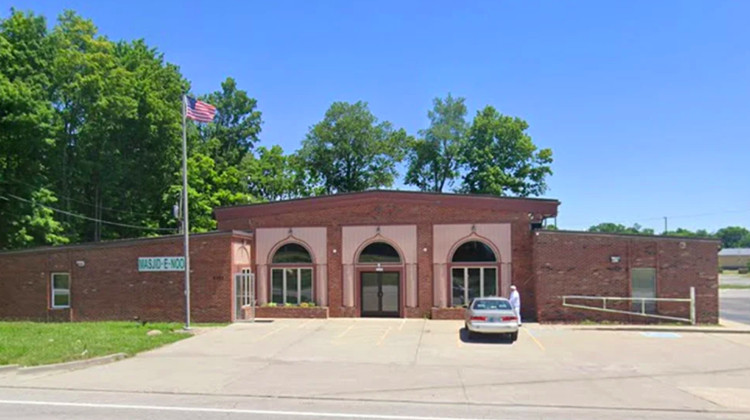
[{"x": 605, "y": 299}]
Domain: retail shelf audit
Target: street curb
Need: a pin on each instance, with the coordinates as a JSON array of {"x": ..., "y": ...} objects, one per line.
[
  {"x": 677, "y": 330},
  {"x": 77, "y": 364},
  {"x": 5, "y": 368}
]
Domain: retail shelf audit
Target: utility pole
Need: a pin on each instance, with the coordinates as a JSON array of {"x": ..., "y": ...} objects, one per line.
[{"x": 665, "y": 225}]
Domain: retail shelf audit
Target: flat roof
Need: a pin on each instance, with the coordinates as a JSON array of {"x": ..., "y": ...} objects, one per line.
[
  {"x": 628, "y": 235},
  {"x": 735, "y": 252},
  {"x": 545, "y": 206},
  {"x": 124, "y": 242}
]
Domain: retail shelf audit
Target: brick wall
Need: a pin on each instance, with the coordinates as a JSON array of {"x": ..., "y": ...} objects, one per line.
[
  {"x": 376, "y": 210},
  {"x": 109, "y": 286},
  {"x": 578, "y": 263}
]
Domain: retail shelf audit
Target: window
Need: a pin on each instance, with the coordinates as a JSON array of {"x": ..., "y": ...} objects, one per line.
[
  {"x": 292, "y": 254},
  {"x": 472, "y": 282},
  {"x": 643, "y": 285},
  {"x": 291, "y": 285},
  {"x": 491, "y": 304},
  {"x": 474, "y": 251},
  {"x": 292, "y": 282},
  {"x": 473, "y": 273},
  {"x": 379, "y": 252},
  {"x": 60, "y": 290}
]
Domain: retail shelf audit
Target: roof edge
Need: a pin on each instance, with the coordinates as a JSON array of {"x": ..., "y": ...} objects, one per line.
[
  {"x": 123, "y": 242},
  {"x": 628, "y": 235}
]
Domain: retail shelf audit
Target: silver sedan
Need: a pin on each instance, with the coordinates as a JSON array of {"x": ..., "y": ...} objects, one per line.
[{"x": 492, "y": 315}]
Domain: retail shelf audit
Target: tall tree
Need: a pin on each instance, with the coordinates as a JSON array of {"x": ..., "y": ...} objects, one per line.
[
  {"x": 236, "y": 126},
  {"x": 351, "y": 151},
  {"x": 25, "y": 133},
  {"x": 501, "y": 159},
  {"x": 434, "y": 159},
  {"x": 272, "y": 175}
]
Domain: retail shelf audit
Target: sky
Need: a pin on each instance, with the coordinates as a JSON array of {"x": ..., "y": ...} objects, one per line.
[{"x": 645, "y": 104}]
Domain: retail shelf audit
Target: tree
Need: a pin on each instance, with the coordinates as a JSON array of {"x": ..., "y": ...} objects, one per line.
[
  {"x": 235, "y": 129},
  {"x": 434, "y": 159},
  {"x": 501, "y": 159},
  {"x": 26, "y": 133},
  {"x": 272, "y": 175},
  {"x": 733, "y": 237},
  {"x": 350, "y": 151},
  {"x": 700, "y": 233},
  {"x": 608, "y": 227}
]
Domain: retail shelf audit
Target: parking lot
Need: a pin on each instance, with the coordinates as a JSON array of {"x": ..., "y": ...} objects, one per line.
[{"x": 418, "y": 361}]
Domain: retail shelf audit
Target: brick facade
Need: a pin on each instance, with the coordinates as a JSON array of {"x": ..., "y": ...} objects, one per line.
[
  {"x": 544, "y": 265},
  {"x": 109, "y": 286},
  {"x": 578, "y": 263},
  {"x": 389, "y": 208}
]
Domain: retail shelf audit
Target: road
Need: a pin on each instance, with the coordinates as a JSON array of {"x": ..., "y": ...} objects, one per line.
[
  {"x": 63, "y": 405},
  {"x": 734, "y": 304}
]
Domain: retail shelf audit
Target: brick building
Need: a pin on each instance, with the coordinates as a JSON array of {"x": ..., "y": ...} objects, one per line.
[{"x": 375, "y": 253}]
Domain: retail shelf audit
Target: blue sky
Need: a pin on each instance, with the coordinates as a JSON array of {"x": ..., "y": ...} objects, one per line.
[{"x": 645, "y": 104}]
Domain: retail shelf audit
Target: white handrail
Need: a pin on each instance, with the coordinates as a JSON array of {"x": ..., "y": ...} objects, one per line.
[{"x": 642, "y": 300}]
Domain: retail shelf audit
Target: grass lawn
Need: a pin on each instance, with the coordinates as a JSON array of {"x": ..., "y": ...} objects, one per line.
[
  {"x": 734, "y": 286},
  {"x": 36, "y": 343}
]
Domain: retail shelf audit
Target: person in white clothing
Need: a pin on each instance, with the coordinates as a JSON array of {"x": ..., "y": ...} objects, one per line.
[{"x": 515, "y": 300}]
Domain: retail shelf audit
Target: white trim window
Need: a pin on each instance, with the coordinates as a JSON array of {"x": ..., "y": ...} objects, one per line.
[
  {"x": 60, "y": 286},
  {"x": 291, "y": 285}
]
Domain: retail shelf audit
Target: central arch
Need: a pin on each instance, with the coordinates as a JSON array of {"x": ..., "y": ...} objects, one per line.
[
  {"x": 473, "y": 272},
  {"x": 379, "y": 267}
]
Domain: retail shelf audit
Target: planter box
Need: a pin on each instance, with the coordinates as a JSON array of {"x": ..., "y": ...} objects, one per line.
[
  {"x": 448, "y": 313},
  {"x": 288, "y": 312}
]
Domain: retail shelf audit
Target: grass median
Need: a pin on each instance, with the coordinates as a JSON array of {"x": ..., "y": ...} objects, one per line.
[{"x": 36, "y": 343}]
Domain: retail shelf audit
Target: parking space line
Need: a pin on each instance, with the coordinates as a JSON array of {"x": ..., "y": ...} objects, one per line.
[
  {"x": 533, "y": 338},
  {"x": 270, "y": 333},
  {"x": 382, "y": 337},
  {"x": 345, "y": 331},
  {"x": 304, "y": 323},
  {"x": 403, "y": 321},
  {"x": 459, "y": 344}
]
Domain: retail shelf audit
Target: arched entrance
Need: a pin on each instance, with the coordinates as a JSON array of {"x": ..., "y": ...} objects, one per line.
[
  {"x": 380, "y": 269},
  {"x": 473, "y": 272}
]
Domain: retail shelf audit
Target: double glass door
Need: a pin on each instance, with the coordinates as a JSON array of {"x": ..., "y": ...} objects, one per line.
[{"x": 380, "y": 294}]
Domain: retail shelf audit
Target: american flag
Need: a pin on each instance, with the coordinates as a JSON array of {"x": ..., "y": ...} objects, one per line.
[{"x": 199, "y": 111}]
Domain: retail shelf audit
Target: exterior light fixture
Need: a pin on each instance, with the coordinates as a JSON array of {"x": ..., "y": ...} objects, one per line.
[
  {"x": 615, "y": 259},
  {"x": 379, "y": 267},
  {"x": 80, "y": 263}
]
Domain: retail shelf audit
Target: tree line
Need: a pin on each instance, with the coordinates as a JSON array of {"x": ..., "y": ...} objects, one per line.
[
  {"x": 730, "y": 236},
  {"x": 90, "y": 138}
]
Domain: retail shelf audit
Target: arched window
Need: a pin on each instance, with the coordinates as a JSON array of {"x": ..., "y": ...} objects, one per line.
[
  {"x": 291, "y": 275},
  {"x": 292, "y": 254},
  {"x": 473, "y": 272},
  {"x": 379, "y": 252},
  {"x": 474, "y": 251}
]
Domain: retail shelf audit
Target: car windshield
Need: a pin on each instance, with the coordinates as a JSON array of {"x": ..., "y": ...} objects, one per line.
[{"x": 491, "y": 304}]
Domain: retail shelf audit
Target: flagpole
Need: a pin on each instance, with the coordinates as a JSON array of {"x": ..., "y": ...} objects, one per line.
[{"x": 185, "y": 220}]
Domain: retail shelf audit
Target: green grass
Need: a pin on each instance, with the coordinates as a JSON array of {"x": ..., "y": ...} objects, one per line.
[
  {"x": 34, "y": 343},
  {"x": 734, "y": 286}
]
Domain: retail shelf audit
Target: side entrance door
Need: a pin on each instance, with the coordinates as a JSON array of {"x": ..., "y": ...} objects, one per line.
[{"x": 380, "y": 294}]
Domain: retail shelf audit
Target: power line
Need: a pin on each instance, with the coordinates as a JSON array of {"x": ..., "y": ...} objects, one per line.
[
  {"x": 89, "y": 218},
  {"x": 61, "y": 197}
]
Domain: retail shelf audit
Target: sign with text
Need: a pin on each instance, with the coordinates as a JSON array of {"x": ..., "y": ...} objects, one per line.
[{"x": 161, "y": 264}]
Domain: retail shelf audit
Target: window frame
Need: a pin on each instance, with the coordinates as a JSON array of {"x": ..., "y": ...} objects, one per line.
[
  {"x": 298, "y": 269},
  {"x": 54, "y": 292},
  {"x": 482, "y": 267},
  {"x": 376, "y": 263}
]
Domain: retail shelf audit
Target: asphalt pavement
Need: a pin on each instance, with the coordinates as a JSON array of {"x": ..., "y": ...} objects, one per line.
[
  {"x": 401, "y": 369},
  {"x": 734, "y": 304}
]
